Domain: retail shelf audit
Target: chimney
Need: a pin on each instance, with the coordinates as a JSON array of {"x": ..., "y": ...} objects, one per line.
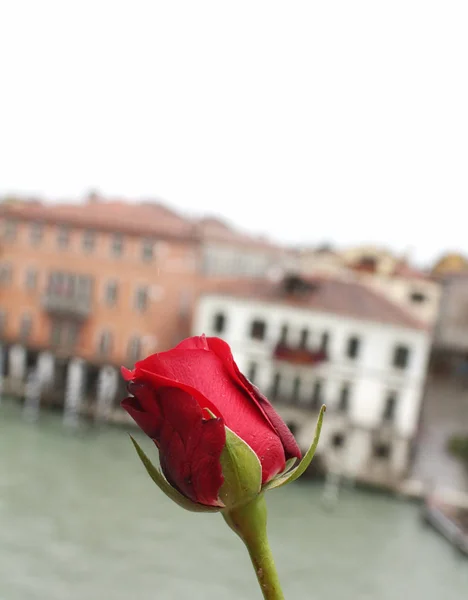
[
  {"x": 93, "y": 197},
  {"x": 295, "y": 285}
]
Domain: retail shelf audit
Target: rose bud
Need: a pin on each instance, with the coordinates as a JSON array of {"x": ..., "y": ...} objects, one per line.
[{"x": 220, "y": 441}]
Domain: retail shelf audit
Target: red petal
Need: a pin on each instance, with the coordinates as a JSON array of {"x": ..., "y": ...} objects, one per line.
[
  {"x": 193, "y": 343},
  {"x": 291, "y": 449},
  {"x": 126, "y": 373},
  {"x": 144, "y": 421},
  {"x": 189, "y": 445},
  {"x": 222, "y": 349},
  {"x": 205, "y": 459},
  {"x": 206, "y": 376},
  {"x": 144, "y": 409}
]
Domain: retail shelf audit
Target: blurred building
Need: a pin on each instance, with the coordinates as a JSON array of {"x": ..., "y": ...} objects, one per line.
[
  {"x": 393, "y": 277},
  {"x": 445, "y": 409},
  {"x": 109, "y": 282},
  {"x": 450, "y": 263},
  {"x": 451, "y": 332},
  {"x": 225, "y": 252},
  {"x": 307, "y": 341}
]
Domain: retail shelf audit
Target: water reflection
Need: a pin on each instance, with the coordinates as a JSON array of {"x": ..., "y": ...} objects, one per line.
[{"x": 80, "y": 519}]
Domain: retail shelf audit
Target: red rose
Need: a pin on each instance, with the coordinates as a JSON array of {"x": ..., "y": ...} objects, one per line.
[{"x": 176, "y": 394}]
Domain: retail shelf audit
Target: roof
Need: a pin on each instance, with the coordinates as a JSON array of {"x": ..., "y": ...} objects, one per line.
[
  {"x": 406, "y": 271},
  {"x": 143, "y": 218},
  {"x": 138, "y": 218},
  {"x": 334, "y": 296},
  {"x": 214, "y": 229},
  {"x": 451, "y": 262}
]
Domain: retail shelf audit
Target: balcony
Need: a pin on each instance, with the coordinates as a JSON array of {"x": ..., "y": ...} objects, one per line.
[
  {"x": 298, "y": 355},
  {"x": 78, "y": 307}
]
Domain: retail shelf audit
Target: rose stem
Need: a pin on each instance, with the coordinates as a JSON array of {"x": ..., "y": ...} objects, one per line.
[{"x": 249, "y": 522}]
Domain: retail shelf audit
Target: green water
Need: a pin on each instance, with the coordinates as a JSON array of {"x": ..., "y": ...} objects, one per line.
[{"x": 80, "y": 520}]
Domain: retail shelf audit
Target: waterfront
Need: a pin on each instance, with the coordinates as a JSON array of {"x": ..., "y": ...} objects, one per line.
[{"x": 81, "y": 520}]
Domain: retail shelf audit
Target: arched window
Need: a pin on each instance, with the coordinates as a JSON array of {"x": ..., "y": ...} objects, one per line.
[
  {"x": 134, "y": 349},
  {"x": 105, "y": 343}
]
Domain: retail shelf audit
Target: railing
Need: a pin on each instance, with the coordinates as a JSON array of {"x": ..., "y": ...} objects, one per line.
[
  {"x": 301, "y": 356},
  {"x": 76, "y": 306}
]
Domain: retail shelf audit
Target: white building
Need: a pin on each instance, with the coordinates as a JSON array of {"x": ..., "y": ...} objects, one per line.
[
  {"x": 226, "y": 252},
  {"x": 372, "y": 381}
]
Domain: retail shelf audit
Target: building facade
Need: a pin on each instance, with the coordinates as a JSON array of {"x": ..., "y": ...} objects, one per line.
[
  {"x": 226, "y": 253},
  {"x": 412, "y": 289},
  {"x": 104, "y": 282},
  {"x": 336, "y": 343}
]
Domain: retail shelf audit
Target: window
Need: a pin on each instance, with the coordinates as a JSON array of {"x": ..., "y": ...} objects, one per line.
[
  {"x": 9, "y": 230},
  {"x": 5, "y": 274},
  {"x": 324, "y": 341},
  {"x": 352, "y": 349},
  {"x": 88, "y": 241},
  {"x": 382, "y": 450},
  {"x": 31, "y": 279},
  {"x": 141, "y": 298},
  {"x": 368, "y": 263},
  {"x": 345, "y": 392},
  {"x": 63, "y": 237},
  {"x": 117, "y": 245},
  {"x": 296, "y": 391},
  {"x": 338, "y": 440},
  {"x": 317, "y": 390},
  {"x": 105, "y": 343},
  {"x": 72, "y": 333},
  {"x": 70, "y": 285},
  {"x": 64, "y": 333},
  {"x": 258, "y": 329},
  {"x": 25, "y": 326},
  {"x": 147, "y": 250},
  {"x": 55, "y": 283},
  {"x": 284, "y": 335},
  {"x": 55, "y": 335},
  {"x": 418, "y": 297},
  {"x": 111, "y": 293},
  {"x": 35, "y": 234},
  {"x": 83, "y": 285},
  {"x": 219, "y": 322},
  {"x": 304, "y": 338},
  {"x": 390, "y": 407},
  {"x": 134, "y": 349},
  {"x": 401, "y": 357},
  {"x": 275, "y": 388},
  {"x": 252, "y": 372}
]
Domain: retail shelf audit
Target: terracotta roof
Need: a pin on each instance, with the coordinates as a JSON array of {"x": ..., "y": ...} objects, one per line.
[
  {"x": 406, "y": 271},
  {"x": 214, "y": 229},
  {"x": 138, "y": 218},
  {"x": 327, "y": 295}
]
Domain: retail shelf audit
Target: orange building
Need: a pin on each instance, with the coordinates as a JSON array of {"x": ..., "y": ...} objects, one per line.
[{"x": 109, "y": 282}]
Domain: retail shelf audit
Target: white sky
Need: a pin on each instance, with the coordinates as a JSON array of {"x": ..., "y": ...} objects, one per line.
[{"x": 308, "y": 121}]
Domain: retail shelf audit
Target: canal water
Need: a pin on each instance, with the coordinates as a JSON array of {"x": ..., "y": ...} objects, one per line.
[{"x": 80, "y": 520}]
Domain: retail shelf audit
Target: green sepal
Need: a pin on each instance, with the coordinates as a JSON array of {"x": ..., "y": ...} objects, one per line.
[
  {"x": 167, "y": 488},
  {"x": 305, "y": 462},
  {"x": 289, "y": 465},
  {"x": 242, "y": 472}
]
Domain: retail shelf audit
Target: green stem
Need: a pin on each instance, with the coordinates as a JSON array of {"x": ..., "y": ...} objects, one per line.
[{"x": 249, "y": 522}]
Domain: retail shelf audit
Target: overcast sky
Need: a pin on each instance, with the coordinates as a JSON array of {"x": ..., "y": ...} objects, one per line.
[{"x": 308, "y": 121}]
